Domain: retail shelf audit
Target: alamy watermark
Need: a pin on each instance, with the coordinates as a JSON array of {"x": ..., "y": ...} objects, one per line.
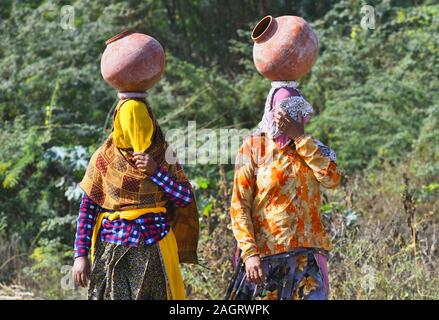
[
  {"x": 194, "y": 146},
  {"x": 368, "y": 281},
  {"x": 67, "y": 282},
  {"x": 368, "y": 20},
  {"x": 67, "y": 18}
]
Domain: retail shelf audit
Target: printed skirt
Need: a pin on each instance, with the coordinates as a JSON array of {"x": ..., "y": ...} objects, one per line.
[
  {"x": 298, "y": 275},
  {"x": 127, "y": 273}
]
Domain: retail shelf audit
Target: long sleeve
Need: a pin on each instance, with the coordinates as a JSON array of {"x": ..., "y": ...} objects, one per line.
[
  {"x": 242, "y": 199},
  {"x": 88, "y": 212},
  {"x": 133, "y": 127},
  {"x": 179, "y": 193},
  {"x": 320, "y": 159}
]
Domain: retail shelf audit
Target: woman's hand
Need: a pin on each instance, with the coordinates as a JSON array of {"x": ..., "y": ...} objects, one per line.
[
  {"x": 81, "y": 271},
  {"x": 253, "y": 269},
  {"x": 293, "y": 129},
  {"x": 145, "y": 163}
]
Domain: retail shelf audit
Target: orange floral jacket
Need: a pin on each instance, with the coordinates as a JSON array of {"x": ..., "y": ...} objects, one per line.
[{"x": 276, "y": 196}]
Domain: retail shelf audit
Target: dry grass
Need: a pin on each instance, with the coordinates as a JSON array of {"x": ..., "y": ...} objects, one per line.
[
  {"x": 11, "y": 258},
  {"x": 15, "y": 292}
]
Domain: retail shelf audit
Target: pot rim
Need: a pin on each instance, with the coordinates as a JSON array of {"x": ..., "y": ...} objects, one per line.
[
  {"x": 118, "y": 36},
  {"x": 267, "y": 23}
]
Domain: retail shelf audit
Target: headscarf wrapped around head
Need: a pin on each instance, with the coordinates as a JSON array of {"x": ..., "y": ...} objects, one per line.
[{"x": 292, "y": 105}]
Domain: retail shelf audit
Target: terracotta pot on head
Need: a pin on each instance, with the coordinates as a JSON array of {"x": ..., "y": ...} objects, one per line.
[
  {"x": 285, "y": 48},
  {"x": 132, "y": 62}
]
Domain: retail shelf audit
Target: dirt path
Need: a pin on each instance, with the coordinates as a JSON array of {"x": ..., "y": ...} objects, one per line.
[{"x": 15, "y": 292}]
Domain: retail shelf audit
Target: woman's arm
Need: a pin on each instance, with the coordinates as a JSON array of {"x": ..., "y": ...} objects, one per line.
[
  {"x": 317, "y": 156},
  {"x": 179, "y": 193},
  {"x": 320, "y": 159},
  {"x": 88, "y": 212},
  {"x": 242, "y": 199}
]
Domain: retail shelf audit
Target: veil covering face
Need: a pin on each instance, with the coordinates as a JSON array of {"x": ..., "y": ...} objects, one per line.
[{"x": 293, "y": 105}]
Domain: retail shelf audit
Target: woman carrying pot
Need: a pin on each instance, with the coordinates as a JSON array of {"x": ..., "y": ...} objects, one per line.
[
  {"x": 132, "y": 194},
  {"x": 275, "y": 207}
]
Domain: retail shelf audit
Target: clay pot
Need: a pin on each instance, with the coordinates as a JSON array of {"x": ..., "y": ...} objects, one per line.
[
  {"x": 132, "y": 62},
  {"x": 285, "y": 48}
]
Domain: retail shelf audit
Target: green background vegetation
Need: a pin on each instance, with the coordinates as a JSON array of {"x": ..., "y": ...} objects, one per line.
[{"x": 375, "y": 93}]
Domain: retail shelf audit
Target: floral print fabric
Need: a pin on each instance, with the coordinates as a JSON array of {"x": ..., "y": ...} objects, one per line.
[
  {"x": 275, "y": 204},
  {"x": 297, "y": 275}
]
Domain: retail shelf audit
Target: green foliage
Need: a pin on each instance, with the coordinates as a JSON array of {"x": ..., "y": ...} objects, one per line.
[
  {"x": 47, "y": 270},
  {"x": 375, "y": 91}
]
